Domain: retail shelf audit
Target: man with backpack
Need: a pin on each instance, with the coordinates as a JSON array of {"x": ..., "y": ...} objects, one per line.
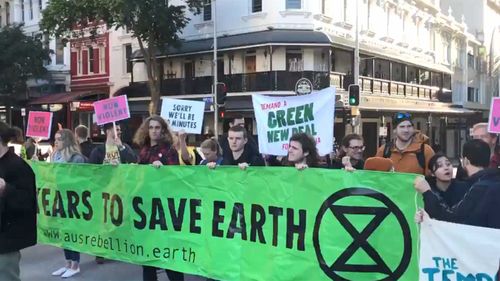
[{"x": 408, "y": 152}]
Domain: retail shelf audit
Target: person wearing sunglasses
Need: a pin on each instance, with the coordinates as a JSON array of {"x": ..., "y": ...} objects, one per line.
[
  {"x": 408, "y": 151},
  {"x": 351, "y": 153}
]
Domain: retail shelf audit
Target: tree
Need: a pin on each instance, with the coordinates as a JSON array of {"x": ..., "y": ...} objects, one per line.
[
  {"x": 22, "y": 57},
  {"x": 156, "y": 24}
]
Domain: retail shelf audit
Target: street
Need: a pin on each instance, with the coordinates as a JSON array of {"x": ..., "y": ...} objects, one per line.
[{"x": 38, "y": 262}]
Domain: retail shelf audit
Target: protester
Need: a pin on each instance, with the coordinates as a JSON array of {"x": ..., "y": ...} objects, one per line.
[
  {"x": 239, "y": 153},
  {"x": 187, "y": 155},
  {"x": 17, "y": 143},
  {"x": 30, "y": 147},
  {"x": 480, "y": 206},
  {"x": 379, "y": 164},
  {"x": 409, "y": 151},
  {"x": 113, "y": 151},
  {"x": 251, "y": 146},
  {"x": 441, "y": 181},
  {"x": 351, "y": 154},
  {"x": 17, "y": 207},
  {"x": 302, "y": 151},
  {"x": 156, "y": 143},
  {"x": 66, "y": 151},
  {"x": 211, "y": 151},
  {"x": 82, "y": 137},
  {"x": 480, "y": 131}
]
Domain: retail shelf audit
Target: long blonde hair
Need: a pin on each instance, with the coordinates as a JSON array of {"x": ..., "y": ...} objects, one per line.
[
  {"x": 70, "y": 146},
  {"x": 141, "y": 137}
]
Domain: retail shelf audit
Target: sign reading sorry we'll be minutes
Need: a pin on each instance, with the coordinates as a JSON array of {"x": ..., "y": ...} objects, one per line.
[{"x": 183, "y": 114}]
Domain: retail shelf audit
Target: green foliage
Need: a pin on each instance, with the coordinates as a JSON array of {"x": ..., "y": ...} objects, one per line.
[
  {"x": 22, "y": 57},
  {"x": 155, "y": 23}
]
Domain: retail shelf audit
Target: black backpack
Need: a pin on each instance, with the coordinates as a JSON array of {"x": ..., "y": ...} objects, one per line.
[{"x": 420, "y": 154}]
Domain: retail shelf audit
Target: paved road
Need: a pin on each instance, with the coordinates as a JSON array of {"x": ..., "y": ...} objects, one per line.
[{"x": 38, "y": 262}]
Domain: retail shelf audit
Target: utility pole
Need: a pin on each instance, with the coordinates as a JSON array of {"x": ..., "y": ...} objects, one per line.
[{"x": 214, "y": 68}]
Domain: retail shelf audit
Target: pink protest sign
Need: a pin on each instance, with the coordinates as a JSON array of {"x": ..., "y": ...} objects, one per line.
[
  {"x": 494, "y": 123},
  {"x": 111, "y": 110},
  {"x": 39, "y": 124}
]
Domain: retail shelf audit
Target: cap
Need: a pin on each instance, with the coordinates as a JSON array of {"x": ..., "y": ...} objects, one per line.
[{"x": 400, "y": 117}]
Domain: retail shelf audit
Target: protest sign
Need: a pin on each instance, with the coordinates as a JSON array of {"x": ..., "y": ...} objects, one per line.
[
  {"x": 457, "y": 252},
  {"x": 39, "y": 124},
  {"x": 278, "y": 118},
  {"x": 227, "y": 224},
  {"x": 183, "y": 114},
  {"x": 494, "y": 121},
  {"x": 111, "y": 110}
]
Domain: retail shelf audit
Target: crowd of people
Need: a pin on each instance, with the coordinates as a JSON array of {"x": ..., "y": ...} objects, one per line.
[{"x": 473, "y": 197}]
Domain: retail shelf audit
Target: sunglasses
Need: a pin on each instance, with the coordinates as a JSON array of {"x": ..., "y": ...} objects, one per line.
[{"x": 401, "y": 115}]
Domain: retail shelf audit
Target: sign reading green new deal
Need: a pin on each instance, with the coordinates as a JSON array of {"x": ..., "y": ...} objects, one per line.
[
  {"x": 278, "y": 118},
  {"x": 258, "y": 224}
]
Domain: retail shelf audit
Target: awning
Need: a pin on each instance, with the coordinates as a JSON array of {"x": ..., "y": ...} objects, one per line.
[
  {"x": 446, "y": 110},
  {"x": 246, "y": 40},
  {"x": 65, "y": 97}
]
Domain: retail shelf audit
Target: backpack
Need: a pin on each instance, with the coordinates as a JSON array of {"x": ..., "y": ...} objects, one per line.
[{"x": 420, "y": 154}]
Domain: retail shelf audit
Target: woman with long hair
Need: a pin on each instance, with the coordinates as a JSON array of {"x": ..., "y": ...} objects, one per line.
[
  {"x": 66, "y": 150},
  {"x": 156, "y": 148}
]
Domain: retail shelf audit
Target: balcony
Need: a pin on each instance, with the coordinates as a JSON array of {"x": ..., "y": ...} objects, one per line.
[
  {"x": 247, "y": 82},
  {"x": 391, "y": 88}
]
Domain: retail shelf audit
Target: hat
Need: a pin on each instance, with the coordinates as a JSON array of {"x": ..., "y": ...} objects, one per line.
[
  {"x": 108, "y": 126},
  {"x": 379, "y": 164},
  {"x": 400, "y": 117}
]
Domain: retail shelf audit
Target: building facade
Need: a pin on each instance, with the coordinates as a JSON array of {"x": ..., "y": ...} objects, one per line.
[{"x": 415, "y": 57}]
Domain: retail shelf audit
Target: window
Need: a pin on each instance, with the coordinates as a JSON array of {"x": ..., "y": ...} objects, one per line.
[
  {"x": 7, "y": 13},
  {"x": 471, "y": 61},
  {"x": 293, "y": 4},
  {"x": 207, "y": 10},
  {"x": 59, "y": 51},
  {"x": 40, "y": 6},
  {"x": 22, "y": 10},
  {"x": 128, "y": 56},
  {"x": 294, "y": 62},
  {"x": 472, "y": 94},
  {"x": 256, "y": 6},
  {"x": 345, "y": 11},
  {"x": 31, "y": 9},
  {"x": 91, "y": 59},
  {"x": 101, "y": 56}
]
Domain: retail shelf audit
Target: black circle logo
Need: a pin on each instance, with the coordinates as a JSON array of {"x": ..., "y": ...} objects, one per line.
[
  {"x": 303, "y": 87},
  {"x": 378, "y": 214}
]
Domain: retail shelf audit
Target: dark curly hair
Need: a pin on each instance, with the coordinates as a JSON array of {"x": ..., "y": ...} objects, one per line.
[{"x": 308, "y": 145}]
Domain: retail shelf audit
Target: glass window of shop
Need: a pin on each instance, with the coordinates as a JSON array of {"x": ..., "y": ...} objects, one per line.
[
  {"x": 425, "y": 77},
  {"x": 436, "y": 79},
  {"x": 382, "y": 69},
  {"x": 366, "y": 66}
]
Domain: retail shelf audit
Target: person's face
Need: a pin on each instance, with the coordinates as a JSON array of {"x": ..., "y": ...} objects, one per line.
[
  {"x": 482, "y": 134},
  {"x": 210, "y": 155},
  {"x": 405, "y": 131},
  {"x": 355, "y": 149},
  {"x": 295, "y": 152},
  {"x": 236, "y": 141},
  {"x": 444, "y": 169},
  {"x": 58, "y": 142},
  {"x": 110, "y": 133},
  {"x": 155, "y": 130},
  {"x": 238, "y": 122}
]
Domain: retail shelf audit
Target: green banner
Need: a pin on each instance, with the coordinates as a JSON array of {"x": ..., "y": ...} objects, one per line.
[{"x": 265, "y": 223}]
